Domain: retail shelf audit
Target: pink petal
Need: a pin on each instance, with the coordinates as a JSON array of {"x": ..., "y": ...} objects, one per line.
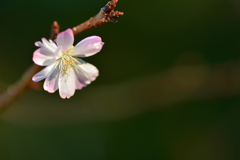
[
  {"x": 67, "y": 84},
  {"x": 65, "y": 40},
  {"x": 51, "y": 82},
  {"x": 43, "y": 57},
  {"x": 43, "y": 73},
  {"x": 87, "y": 47}
]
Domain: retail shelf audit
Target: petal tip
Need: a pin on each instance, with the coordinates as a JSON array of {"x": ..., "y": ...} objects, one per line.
[
  {"x": 34, "y": 79},
  {"x": 65, "y": 39}
]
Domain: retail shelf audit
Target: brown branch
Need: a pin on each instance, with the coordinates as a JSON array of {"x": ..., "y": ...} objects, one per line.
[
  {"x": 106, "y": 14},
  {"x": 15, "y": 90}
]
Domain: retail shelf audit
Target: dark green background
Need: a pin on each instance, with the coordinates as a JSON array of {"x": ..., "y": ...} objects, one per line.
[{"x": 150, "y": 38}]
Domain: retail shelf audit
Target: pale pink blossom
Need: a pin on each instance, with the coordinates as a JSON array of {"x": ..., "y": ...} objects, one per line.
[{"x": 64, "y": 70}]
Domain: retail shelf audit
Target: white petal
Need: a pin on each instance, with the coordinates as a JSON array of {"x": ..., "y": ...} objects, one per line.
[
  {"x": 87, "y": 47},
  {"x": 90, "y": 70},
  {"x": 43, "y": 57},
  {"x": 43, "y": 73},
  {"x": 47, "y": 52},
  {"x": 51, "y": 82},
  {"x": 58, "y": 53},
  {"x": 65, "y": 40},
  {"x": 67, "y": 84},
  {"x": 49, "y": 44},
  {"x": 38, "y": 44},
  {"x": 85, "y": 74}
]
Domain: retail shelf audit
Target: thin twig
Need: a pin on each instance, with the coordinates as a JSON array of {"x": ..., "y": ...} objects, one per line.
[{"x": 107, "y": 14}]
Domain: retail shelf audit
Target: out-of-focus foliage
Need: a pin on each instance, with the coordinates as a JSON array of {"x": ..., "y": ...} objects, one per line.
[{"x": 150, "y": 39}]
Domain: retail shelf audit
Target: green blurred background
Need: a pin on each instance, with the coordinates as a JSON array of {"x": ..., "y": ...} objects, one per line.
[{"x": 169, "y": 84}]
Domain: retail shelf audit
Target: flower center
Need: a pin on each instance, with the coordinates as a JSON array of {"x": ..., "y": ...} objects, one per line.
[{"x": 66, "y": 62}]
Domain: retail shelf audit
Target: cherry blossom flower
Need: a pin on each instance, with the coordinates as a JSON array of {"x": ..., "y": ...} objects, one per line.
[{"x": 64, "y": 70}]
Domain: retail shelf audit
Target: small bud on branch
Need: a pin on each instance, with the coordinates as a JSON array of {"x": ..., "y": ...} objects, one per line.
[{"x": 54, "y": 30}]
